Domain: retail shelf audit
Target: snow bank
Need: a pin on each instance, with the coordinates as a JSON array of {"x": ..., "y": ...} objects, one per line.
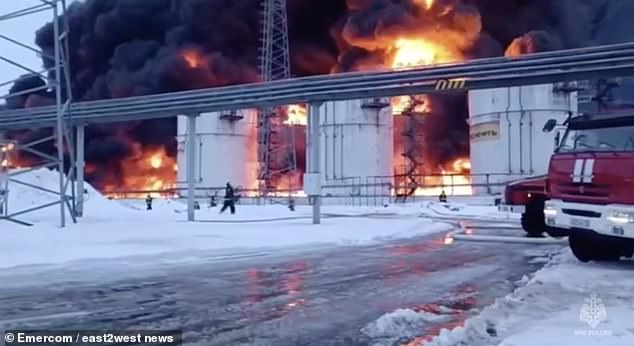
[
  {"x": 453, "y": 209},
  {"x": 566, "y": 303},
  {"x": 143, "y": 236},
  {"x": 97, "y": 207},
  {"x": 113, "y": 229},
  {"x": 402, "y": 323},
  {"x": 22, "y": 196}
]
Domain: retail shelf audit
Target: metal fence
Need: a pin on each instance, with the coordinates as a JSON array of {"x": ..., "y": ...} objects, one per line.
[{"x": 354, "y": 191}]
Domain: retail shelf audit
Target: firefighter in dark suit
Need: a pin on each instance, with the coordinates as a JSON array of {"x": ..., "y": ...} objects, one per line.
[
  {"x": 442, "y": 198},
  {"x": 230, "y": 199},
  {"x": 148, "y": 201}
]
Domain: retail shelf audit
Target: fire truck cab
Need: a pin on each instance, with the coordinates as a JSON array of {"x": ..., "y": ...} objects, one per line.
[
  {"x": 589, "y": 188},
  {"x": 527, "y": 197}
]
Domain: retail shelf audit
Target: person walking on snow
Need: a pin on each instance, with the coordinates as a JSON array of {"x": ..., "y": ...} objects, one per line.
[
  {"x": 148, "y": 201},
  {"x": 230, "y": 199}
]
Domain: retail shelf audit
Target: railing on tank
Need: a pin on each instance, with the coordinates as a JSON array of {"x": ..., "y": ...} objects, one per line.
[
  {"x": 346, "y": 189},
  {"x": 377, "y": 102},
  {"x": 211, "y": 195},
  {"x": 355, "y": 191},
  {"x": 232, "y": 115}
]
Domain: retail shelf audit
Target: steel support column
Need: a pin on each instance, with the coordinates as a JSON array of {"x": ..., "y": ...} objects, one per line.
[
  {"x": 191, "y": 165},
  {"x": 313, "y": 162},
  {"x": 59, "y": 131},
  {"x": 4, "y": 180},
  {"x": 80, "y": 167}
]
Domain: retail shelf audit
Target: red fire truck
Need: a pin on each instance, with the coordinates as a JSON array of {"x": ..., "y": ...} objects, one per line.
[{"x": 588, "y": 193}]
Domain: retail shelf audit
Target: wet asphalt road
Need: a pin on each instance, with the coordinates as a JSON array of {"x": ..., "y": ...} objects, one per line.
[{"x": 310, "y": 296}]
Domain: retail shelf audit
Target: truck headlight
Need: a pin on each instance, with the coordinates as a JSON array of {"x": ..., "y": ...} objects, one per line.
[
  {"x": 621, "y": 217},
  {"x": 549, "y": 209}
]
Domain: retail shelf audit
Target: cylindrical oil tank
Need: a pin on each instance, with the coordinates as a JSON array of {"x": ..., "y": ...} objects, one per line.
[
  {"x": 507, "y": 140},
  {"x": 226, "y": 150},
  {"x": 356, "y": 148}
]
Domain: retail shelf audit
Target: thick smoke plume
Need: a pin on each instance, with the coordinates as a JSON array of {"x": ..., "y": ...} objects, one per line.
[
  {"x": 122, "y": 48},
  {"x": 465, "y": 29}
]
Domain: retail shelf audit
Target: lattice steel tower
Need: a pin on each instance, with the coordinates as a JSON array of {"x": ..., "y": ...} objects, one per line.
[
  {"x": 55, "y": 76},
  {"x": 276, "y": 143}
]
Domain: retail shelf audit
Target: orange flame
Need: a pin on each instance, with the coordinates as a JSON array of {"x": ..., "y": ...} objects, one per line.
[
  {"x": 407, "y": 52},
  {"x": 5, "y": 150},
  {"x": 417, "y": 52},
  {"x": 453, "y": 181},
  {"x": 146, "y": 172},
  {"x": 297, "y": 115},
  {"x": 410, "y": 52},
  {"x": 426, "y": 4},
  {"x": 10, "y": 158},
  {"x": 192, "y": 58}
]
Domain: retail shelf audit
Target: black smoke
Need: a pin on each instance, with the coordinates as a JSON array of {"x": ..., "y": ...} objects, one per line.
[
  {"x": 120, "y": 48},
  {"x": 477, "y": 28},
  {"x": 26, "y": 91}
]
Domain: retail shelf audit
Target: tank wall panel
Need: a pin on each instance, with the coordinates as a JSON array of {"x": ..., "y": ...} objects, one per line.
[
  {"x": 226, "y": 151},
  {"x": 506, "y": 137},
  {"x": 356, "y": 144}
]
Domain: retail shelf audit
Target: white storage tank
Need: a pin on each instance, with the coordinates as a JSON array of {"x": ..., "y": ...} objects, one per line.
[
  {"x": 356, "y": 148},
  {"x": 506, "y": 137},
  {"x": 226, "y": 150}
]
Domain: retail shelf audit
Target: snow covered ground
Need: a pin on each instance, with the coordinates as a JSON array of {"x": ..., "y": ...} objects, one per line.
[
  {"x": 114, "y": 229},
  {"x": 565, "y": 303},
  {"x": 464, "y": 210}
]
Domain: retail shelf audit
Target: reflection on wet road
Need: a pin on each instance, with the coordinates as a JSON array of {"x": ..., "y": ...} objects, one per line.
[{"x": 322, "y": 297}]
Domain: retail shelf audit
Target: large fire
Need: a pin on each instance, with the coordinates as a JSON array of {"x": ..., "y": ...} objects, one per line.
[
  {"x": 149, "y": 171},
  {"x": 145, "y": 172},
  {"x": 412, "y": 52},
  {"x": 406, "y": 52},
  {"x": 454, "y": 180}
]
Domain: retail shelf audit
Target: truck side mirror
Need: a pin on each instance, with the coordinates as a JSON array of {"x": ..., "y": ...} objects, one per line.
[
  {"x": 550, "y": 125},
  {"x": 557, "y": 139}
]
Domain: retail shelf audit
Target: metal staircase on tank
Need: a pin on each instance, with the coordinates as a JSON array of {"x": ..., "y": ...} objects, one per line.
[
  {"x": 277, "y": 157},
  {"x": 408, "y": 181},
  {"x": 276, "y": 141}
]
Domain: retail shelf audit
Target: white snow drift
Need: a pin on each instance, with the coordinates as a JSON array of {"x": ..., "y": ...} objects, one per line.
[
  {"x": 565, "y": 303},
  {"x": 112, "y": 229}
]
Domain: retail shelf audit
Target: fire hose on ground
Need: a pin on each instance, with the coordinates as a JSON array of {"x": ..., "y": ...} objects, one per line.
[
  {"x": 461, "y": 232},
  {"x": 464, "y": 233},
  {"x": 308, "y": 217}
]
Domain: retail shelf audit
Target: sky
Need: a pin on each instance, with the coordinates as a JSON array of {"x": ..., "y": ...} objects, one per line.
[{"x": 21, "y": 29}]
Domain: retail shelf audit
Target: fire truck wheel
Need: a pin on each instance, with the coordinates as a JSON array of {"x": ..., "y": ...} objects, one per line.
[
  {"x": 590, "y": 248},
  {"x": 533, "y": 218}
]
